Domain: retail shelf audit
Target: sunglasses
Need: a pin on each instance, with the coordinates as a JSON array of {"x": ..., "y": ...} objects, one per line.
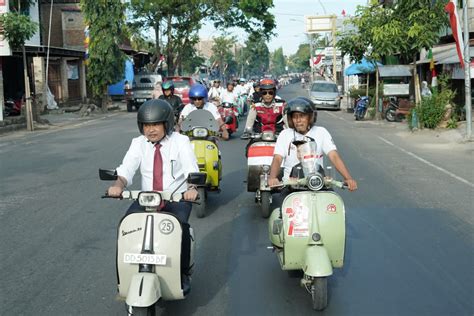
[
  {"x": 270, "y": 92},
  {"x": 197, "y": 99}
]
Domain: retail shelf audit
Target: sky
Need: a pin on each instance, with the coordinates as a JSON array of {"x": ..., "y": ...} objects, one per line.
[{"x": 289, "y": 17}]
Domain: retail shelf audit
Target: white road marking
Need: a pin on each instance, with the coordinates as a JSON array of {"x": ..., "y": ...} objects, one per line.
[{"x": 428, "y": 163}]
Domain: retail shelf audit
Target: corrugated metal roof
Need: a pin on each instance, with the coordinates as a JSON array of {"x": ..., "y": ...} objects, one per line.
[{"x": 395, "y": 71}]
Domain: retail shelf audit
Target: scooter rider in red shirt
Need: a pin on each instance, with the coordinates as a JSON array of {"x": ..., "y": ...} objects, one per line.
[{"x": 266, "y": 115}]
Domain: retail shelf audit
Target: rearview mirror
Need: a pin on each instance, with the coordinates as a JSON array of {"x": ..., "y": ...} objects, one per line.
[
  {"x": 108, "y": 174},
  {"x": 197, "y": 178}
]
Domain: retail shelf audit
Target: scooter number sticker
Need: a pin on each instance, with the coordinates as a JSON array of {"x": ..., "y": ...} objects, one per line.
[
  {"x": 138, "y": 258},
  {"x": 331, "y": 208},
  {"x": 166, "y": 226}
]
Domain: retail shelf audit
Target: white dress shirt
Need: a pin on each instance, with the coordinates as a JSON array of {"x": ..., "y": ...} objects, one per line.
[
  {"x": 188, "y": 108},
  {"x": 229, "y": 97},
  {"x": 178, "y": 161},
  {"x": 324, "y": 144}
]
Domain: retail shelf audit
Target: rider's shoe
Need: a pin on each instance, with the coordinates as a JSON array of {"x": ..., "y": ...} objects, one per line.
[{"x": 245, "y": 135}]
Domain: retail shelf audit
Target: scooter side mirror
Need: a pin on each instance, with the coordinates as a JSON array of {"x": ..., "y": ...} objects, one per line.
[
  {"x": 197, "y": 178},
  {"x": 277, "y": 226},
  {"x": 108, "y": 174}
]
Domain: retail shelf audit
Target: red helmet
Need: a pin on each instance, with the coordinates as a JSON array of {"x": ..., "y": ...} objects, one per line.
[{"x": 267, "y": 84}]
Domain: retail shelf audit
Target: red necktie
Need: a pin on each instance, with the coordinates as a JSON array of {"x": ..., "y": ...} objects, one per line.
[{"x": 158, "y": 169}]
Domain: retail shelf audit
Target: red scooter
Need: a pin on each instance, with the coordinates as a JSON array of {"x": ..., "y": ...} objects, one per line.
[{"x": 228, "y": 113}]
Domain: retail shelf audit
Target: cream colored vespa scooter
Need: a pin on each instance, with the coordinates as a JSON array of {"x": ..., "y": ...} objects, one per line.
[{"x": 149, "y": 249}]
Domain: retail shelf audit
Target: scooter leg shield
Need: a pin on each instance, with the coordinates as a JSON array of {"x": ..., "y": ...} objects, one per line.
[
  {"x": 144, "y": 290},
  {"x": 317, "y": 262}
]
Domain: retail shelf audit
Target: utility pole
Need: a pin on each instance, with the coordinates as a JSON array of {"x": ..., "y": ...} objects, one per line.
[{"x": 467, "y": 73}]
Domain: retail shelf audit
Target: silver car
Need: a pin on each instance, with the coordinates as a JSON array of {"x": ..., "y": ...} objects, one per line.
[
  {"x": 325, "y": 95},
  {"x": 142, "y": 90}
]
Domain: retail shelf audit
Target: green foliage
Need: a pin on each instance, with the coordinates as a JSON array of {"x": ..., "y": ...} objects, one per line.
[
  {"x": 255, "y": 56},
  {"x": 431, "y": 110},
  {"x": 106, "y": 61},
  {"x": 452, "y": 123},
  {"x": 222, "y": 54},
  {"x": 278, "y": 62},
  {"x": 18, "y": 28},
  {"x": 404, "y": 28}
]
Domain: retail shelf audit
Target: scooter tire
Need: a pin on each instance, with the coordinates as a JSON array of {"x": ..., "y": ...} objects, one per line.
[
  {"x": 201, "y": 208},
  {"x": 265, "y": 197},
  {"x": 319, "y": 293},
  {"x": 390, "y": 115},
  {"x": 144, "y": 311}
]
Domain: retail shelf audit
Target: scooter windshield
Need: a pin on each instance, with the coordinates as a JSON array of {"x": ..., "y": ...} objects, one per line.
[
  {"x": 306, "y": 154},
  {"x": 199, "y": 118}
]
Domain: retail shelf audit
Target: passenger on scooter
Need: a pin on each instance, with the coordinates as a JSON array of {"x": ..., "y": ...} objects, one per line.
[
  {"x": 301, "y": 115},
  {"x": 198, "y": 97},
  {"x": 229, "y": 95},
  {"x": 169, "y": 96},
  {"x": 257, "y": 94},
  {"x": 215, "y": 91},
  {"x": 158, "y": 143},
  {"x": 268, "y": 112}
]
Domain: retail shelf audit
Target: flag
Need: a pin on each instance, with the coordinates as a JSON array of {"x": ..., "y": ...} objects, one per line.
[{"x": 451, "y": 8}]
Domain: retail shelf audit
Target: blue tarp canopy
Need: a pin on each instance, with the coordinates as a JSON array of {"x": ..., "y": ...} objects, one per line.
[{"x": 363, "y": 67}]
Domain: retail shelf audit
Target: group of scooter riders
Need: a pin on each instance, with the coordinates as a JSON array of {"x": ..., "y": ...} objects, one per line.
[{"x": 165, "y": 157}]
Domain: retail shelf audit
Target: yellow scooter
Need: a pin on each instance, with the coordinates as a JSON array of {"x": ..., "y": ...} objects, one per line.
[{"x": 202, "y": 130}]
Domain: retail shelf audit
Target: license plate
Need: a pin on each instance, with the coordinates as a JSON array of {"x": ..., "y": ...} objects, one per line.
[
  {"x": 137, "y": 258},
  {"x": 141, "y": 100}
]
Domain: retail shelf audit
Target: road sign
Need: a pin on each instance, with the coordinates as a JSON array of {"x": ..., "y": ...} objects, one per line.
[{"x": 315, "y": 24}]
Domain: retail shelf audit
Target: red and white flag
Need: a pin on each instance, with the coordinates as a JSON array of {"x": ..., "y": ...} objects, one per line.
[{"x": 451, "y": 8}]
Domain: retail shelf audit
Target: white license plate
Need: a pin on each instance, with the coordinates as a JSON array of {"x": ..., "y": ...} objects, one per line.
[
  {"x": 141, "y": 100},
  {"x": 138, "y": 258}
]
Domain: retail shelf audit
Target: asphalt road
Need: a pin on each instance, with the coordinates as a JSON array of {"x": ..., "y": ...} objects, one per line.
[{"x": 409, "y": 248}]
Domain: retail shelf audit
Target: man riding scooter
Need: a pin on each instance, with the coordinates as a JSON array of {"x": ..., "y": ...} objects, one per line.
[
  {"x": 301, "y": 115},
  {"x": 266, "y": 115},
  {"x": 168, "y": 95},
  {"x": 165, "y": 159},
  {"x": 198, "y": 97}
]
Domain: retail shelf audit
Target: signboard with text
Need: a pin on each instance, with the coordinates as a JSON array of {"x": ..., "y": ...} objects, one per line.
[{"x": 315, "y": 24}]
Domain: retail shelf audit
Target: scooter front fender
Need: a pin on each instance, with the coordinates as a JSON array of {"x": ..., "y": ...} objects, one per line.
[
  {"x": 317, "y": 262},
  {"x": 144, "y": 290}
]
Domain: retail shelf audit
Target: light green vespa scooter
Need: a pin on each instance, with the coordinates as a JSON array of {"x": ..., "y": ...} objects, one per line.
[{"x": 308, "y": 231}]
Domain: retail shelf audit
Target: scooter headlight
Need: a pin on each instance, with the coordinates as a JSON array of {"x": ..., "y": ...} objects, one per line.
[
  {"x": 315, "y": 182},
  {"x": 200, "y": 132},
  {"x": 149, "y": 199},
  {"x": 268, "y": 136},
  {"x": 266, "y": 169}
]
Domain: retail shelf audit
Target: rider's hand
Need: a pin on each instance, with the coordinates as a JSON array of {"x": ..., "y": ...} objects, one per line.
[
  {"x": 114, "y": 191},
  {"x": 351, "y": 183},
  {"x": 190, "y": 195},
  {"x": 225, "y": 134},
  {"x": 273, "y": 182}
]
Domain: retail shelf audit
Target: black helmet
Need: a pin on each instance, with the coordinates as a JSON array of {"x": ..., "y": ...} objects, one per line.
[
  {"x": 302, "y": 105},
  {"x": 156, "y": 111}
]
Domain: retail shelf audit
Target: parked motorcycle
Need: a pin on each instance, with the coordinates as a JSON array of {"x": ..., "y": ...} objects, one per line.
[
  {"x": 12, "y": 107},
  {"x": 308, "y": 231},
  {"x": 259, "y": 159},
  {"x": 149, "y": 249},
  {"x": 362, "y": 103},
  {"x": 229, "y": 114},
  {"x": 202, "y": 129},
  {"x": 394, "y": 113}
]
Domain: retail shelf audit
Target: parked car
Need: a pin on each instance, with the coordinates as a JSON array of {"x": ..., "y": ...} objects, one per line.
[
  {"x": 182, "y": 86},
  {"x": 325, "y": 95},
  {"x": 142, "y": 89}
]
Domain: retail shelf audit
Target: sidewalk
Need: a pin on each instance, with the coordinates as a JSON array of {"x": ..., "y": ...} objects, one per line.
[
  {"x": 438, "y": 135},
  {"x": 64, "y": 116}
]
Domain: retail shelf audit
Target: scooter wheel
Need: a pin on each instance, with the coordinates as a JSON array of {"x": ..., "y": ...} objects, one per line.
[
  {"x": 201, "y": 208},
  {"x": 390, "y": 115},
  {"x": 265, "y": 201},
  {"x": 319, "y": 293},
  {"x": 144, "y": 311}
]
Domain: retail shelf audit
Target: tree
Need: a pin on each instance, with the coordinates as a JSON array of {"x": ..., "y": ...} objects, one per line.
[
  {"x": 254, "y": 59},
  {"x": 402, "y": 29},
  {"x": 278, "y": 62},
  {"x": 222, "y": 54},
  {"x": 300, "y": 60},
  {"x": 17, "y": 29},
  {"x": 106, "y": 22}
]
